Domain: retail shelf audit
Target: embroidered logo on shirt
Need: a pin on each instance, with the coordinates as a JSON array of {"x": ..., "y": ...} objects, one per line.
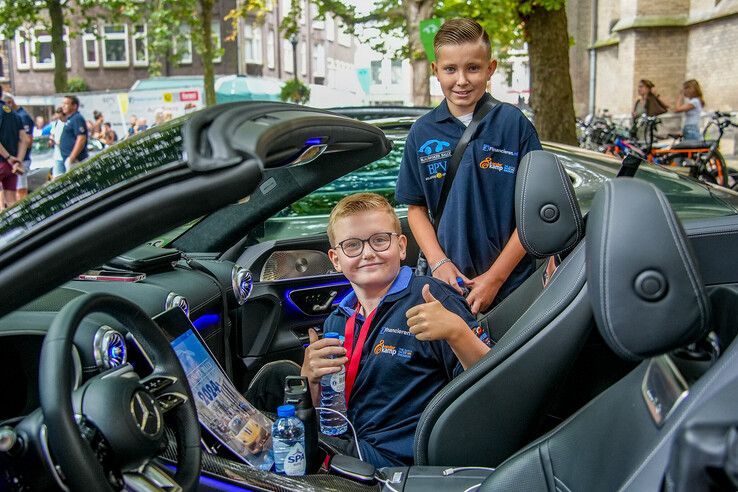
[
  {"x": 488, "y": 163},
  {"x": 381, "y": 348},
  {"x": 7, "y": 109},
  {"x": 436, "y": 170},
  {"x": 396, "y": 331},
  {"x": 490, "y": 148},
  {"x": 434, "y": 150}
]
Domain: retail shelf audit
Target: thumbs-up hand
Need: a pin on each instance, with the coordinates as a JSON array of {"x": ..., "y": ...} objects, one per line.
[
  {"x": 431, "y": 321},
  {"x": 318, "y": 361}
]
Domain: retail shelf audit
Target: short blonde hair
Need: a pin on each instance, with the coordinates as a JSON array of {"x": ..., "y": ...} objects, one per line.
[
  {"x": 460, "y": 31},
  {"x": 358, "y": 203}
]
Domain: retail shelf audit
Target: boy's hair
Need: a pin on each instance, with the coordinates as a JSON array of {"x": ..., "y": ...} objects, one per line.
[
  {"x": 358, "y": 203},
  {"x": 459, "y": 31}
]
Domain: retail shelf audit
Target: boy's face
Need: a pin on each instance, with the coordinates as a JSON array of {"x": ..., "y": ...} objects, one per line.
[
  {"x": 370, "y": 269},
  {"x": 463, "y": 71}
]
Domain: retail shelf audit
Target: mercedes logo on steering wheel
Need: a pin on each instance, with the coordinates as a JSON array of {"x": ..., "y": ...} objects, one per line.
[{"x": 146, "y": 413}]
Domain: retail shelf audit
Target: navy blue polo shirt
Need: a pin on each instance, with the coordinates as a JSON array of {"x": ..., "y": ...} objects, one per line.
[
  {"x": 10, "y": 126},
  {"x": 28, "y": 127},
  {"x": 398, "y": 374},
  {"x": 75, "y": 126},
  {"x": 479, "y": 216}
]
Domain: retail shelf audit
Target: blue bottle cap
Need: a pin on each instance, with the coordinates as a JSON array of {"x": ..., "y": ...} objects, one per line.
[
  {"x": 286, "y": 411},
  {"x": 331, "y": 334},
  {"x": 460, "y": 281}
]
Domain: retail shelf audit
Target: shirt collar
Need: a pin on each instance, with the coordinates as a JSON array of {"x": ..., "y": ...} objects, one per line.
[
  {"x": 348, "y": 304},
  {"x": 442, "y": 113}
]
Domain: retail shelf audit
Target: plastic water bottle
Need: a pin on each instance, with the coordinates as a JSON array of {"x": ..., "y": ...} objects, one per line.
[
  {"x": 331, "y": 396},
  {"x": 288, "y": 442}
]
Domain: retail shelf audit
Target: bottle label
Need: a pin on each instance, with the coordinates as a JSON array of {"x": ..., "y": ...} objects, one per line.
[
  {"x": 338, "y": 381},
  {"x": 294, "y": 462}
]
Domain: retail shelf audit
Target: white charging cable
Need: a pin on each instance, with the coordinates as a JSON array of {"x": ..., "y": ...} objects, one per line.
[
  {"x": 473, "y": 487},
  {"x": 356, "y": 439},
  {"x": 386, "y": 483},
  {"x": 451, "y": 471}
]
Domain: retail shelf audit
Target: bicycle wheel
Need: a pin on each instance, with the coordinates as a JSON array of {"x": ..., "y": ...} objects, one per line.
[{"x": 715, "y": 170}]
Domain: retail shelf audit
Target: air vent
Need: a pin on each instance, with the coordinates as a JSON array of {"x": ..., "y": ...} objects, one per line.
[{"x": 109, "y": 348}]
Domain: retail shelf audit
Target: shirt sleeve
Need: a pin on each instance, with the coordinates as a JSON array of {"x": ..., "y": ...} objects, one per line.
[
  {"x": 81, "y": 126},
  {"x": 530, "y": 141},
  {"x": 409, "y": 189}
]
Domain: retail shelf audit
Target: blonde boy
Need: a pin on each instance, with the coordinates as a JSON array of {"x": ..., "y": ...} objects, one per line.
[{"x": 419, "y": 335}]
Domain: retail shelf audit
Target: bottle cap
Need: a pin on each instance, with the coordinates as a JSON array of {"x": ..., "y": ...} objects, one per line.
[
  {"x": 331, "y": 334},
  {"x": 460, "y": 281},
  {"x": 286, "y": 411}
]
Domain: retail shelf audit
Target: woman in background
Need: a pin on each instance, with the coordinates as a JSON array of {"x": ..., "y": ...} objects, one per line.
[{"x": 692, "y": 108}]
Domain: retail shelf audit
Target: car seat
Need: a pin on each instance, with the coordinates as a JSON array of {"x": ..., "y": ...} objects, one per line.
[
  {"x": 648, "y": 299},
  {"x": 486, "y": 413}
]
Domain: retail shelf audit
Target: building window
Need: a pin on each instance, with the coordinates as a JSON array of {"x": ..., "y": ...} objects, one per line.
[
  {"x": 140, "y": 46},
  {"x": 183, "y": 45},
  {"x": 270, "y": 49},
  {"x": 115, "y": 45},
  {"x": 317, "y": 24},
  {"x": 303, "y": 58},
  {"x": 217, "y": 44},
  {"x": 22, "y": 49},
  {"x": 377, "y": 72},
  {"x": 252, "y": 44},
  {"x": 90, "y": 48},
  {"x": 344, "y": 39},
  {"x": 319, "y": 60},
  {"x": 287, "y": 61},
  {"x": 330, "y": 27},
  {"x": 396, "y": 73},
  {"x": 42, "y": 57}
]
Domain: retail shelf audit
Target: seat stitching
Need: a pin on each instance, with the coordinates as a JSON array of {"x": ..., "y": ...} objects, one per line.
[
  {"x": 495, "y": 353},
  {"x": 561, "y": 483},
  {"x": 684, "y": 256},
  {"x": 570, "y": 198},
  {"x": 524, "y": 220}
]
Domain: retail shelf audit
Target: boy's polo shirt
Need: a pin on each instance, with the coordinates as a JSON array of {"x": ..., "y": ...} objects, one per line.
[
  {"x": 75, "y": 126},
  {"x": 479, "y": 216},
  {"x": 398, "y": 374},
  {"x": 28, "y": 127},
  {"x": 10, "y": 126}
]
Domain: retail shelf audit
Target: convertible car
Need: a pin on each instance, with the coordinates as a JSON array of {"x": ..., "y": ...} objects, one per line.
[{"x": 143, "y": 291}]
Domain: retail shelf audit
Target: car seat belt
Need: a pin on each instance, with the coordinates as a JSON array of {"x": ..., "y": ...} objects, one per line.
[{"x": 485, "y": 105}]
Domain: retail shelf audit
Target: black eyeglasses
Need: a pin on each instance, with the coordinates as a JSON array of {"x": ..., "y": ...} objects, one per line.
[{"x": 353, "y": 247}]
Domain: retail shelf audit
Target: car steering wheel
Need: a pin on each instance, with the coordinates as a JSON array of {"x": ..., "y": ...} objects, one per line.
[{"x": 108, "y": 431}]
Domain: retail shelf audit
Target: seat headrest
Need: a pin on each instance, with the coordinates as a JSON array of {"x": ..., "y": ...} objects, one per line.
[
  {"x": 646, "y": 293},
  {"x": 546, "y": 210}
]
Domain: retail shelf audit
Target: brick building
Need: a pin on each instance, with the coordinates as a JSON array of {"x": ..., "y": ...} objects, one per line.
[
  {"x": 666, "y": 41},
  {"x": 117, "y": 56}
]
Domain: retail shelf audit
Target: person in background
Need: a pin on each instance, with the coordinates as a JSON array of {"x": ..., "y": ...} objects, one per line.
[
  {"x": 73, "y": 140},
  {"x": 141, "y": 125},
  {"x": 57, "y": 127},
  {"x": 13, "y": 144},
  {"x": 108, "y": 134},
  {"x": 28, "y": 126},
  {"x": 96, "y": 126},
  {"x": 690, "y": 102},
  {"x": 38, "y": 129},
  {"x": 648, "y": 101}
]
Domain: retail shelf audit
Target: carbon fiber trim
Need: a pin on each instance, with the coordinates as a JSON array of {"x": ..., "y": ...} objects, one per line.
[{"x": 244, "y": 475}]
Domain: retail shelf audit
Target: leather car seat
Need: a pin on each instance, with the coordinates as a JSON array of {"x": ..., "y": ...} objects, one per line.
[
  {"x": 486, "y": 413},
  {"x": 648, "y": 299}
]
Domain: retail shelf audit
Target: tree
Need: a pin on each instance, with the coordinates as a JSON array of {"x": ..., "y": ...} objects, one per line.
[
  {"x": 170, "y": 23},
  {"x": 52, "y": 16}
]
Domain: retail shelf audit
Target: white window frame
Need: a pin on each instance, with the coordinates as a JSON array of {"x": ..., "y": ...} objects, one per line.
[
  {"x": 303, "y": 57},
  {"x": 288, "y": 59},
  {"x": 271, "y": 52},
  {"x": 46, "y": 38},
  {"x": 90, "y": 36},
  {"x": 184, "y": 29},
  {"x": 140, "y": 36},
  {"x": 303, "y": 11},
  {"x": 343, "y": 38},
  {"x": 115, "y": 37},
  {"x": 217, "y": 41},
  {"x": 330, "y": 27},
  {"x": 22, "y": 42},
  {"x": 252, "y": 38},
  {"x": 319, "y": 65},
  {"x": 317, "y": 24}
]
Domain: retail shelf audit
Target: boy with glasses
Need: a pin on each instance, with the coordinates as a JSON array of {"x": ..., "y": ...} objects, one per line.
[{"x": 407, "y": 336}]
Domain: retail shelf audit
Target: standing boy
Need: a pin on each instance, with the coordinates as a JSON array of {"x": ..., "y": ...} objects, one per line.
[
  {"x": 477, "y": 238},
  {"x": 27, "y": 121},
  {"x": 13, "y": 145},
  {"x": 415, "y": 331}
]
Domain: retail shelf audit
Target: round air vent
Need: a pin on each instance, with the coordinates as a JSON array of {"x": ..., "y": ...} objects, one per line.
[
  {"x": 109, "y": 347},
  {"x": 174, "y": 299},
  {"x": 242, "y": 283}
]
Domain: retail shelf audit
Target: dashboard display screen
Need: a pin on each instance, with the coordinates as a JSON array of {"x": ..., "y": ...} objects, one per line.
[{"x": 221, "y": 409}]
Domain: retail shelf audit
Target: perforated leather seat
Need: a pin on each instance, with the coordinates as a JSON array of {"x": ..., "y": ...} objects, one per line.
[
  {"x": 648, "y": 299},
  {"x": 484, "y": 414}
]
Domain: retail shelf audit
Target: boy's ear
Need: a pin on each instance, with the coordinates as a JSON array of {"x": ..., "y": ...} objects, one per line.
[
  {"x": 333, "y": 256},
  {"x": 492, "y": 67},
  {"x": 434, "y": 68},
  {"x": 402, "y": 241}
]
